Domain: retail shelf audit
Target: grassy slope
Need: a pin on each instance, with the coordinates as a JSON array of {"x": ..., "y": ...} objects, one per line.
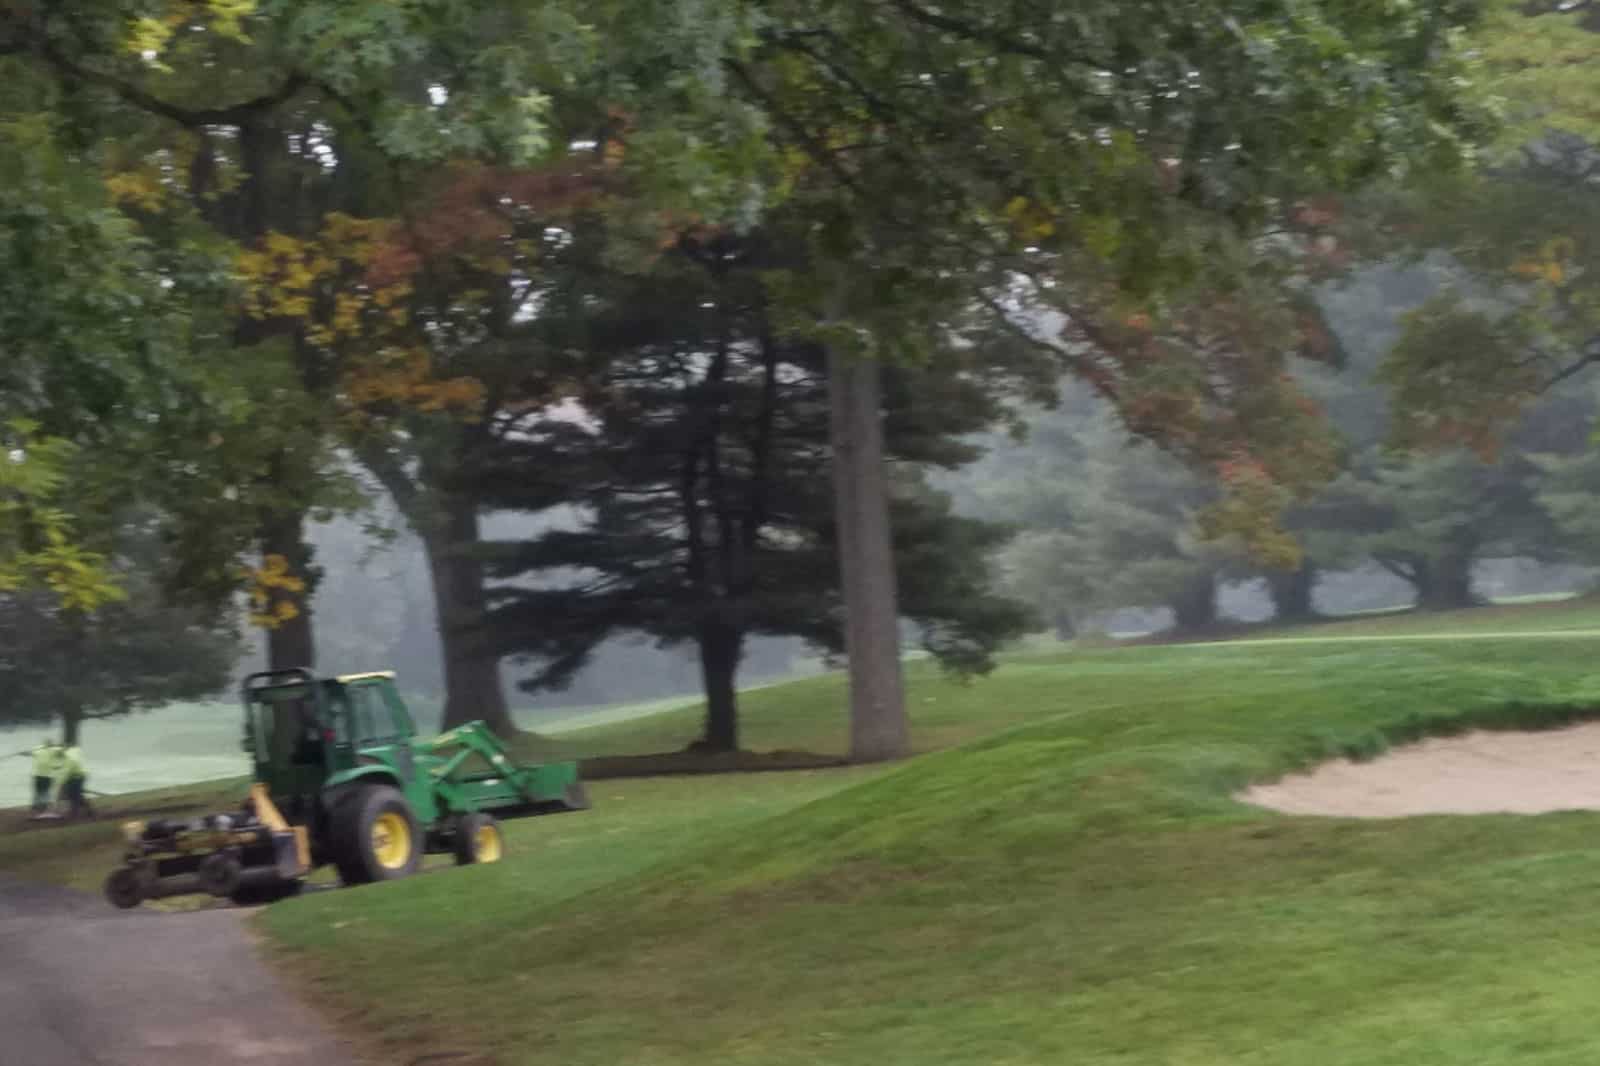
[{"x": 1079, "y": 887}]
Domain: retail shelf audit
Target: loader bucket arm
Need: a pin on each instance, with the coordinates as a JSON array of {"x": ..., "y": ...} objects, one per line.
[{"x": 553, "y": 786}]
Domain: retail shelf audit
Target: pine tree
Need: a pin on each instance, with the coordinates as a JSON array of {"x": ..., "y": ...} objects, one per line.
[{"x": 695, "y": 459}]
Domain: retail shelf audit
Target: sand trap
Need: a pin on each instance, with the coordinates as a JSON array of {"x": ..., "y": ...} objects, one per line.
[{"x": 1475, "y": 773}]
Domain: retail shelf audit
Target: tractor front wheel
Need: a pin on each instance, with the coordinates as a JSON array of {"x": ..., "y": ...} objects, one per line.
[
  {"x": 478, "y": 839},
  {"x": 375, "y": 836}
]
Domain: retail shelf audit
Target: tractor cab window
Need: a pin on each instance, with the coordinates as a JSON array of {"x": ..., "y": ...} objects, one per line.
[
  {"x": 365, "y": 717},
  {"x": 286, "y": 729}
]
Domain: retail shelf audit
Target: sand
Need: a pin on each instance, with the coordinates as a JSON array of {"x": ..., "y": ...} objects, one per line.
[{"x": 1476, "y": 773}]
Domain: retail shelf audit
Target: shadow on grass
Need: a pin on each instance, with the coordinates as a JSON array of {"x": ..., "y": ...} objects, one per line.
[{"x": 678, "y": 763}]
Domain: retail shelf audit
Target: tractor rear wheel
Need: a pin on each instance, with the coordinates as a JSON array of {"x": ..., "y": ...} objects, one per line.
[
  {"x": 478, "y": 839},
  {"x": 375, "y": 836}
]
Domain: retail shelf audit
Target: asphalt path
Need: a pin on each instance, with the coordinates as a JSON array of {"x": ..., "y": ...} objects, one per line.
[{"x": 83, "y": 984}]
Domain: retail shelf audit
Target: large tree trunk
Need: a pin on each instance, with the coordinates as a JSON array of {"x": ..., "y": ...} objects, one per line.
[
  {"x": 291, "y": 641},
  {"x": 721, "y": 648},
  {"x": 1194, "y": 608},
  {"x": 1444, "y": 583},
  {"x": 878, "y": 726},
  {"x": 473, "y": 690},
  {"x": 1291, "y": 592}
]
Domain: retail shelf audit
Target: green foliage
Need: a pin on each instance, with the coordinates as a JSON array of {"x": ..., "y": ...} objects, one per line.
[
  {"x": 1099, "y": 180},
  {"x": 233, "y": 129},
  {"x": 37, "y": 547},
  {"x": 1539, "y": 59},
  {"x": 1522, "y": 312},
  {"x": 64, "y": 661},
  {"x": 1526, "y": 313},
  {"x": 1567, "y": 493},
  {"x": 95, "y": 328}
]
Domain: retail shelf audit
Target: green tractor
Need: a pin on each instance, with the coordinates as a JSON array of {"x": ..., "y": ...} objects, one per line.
[{"x": 341, "y": 779}]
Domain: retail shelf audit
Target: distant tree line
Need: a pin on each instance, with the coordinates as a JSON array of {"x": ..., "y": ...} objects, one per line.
[{"x": 1107, "y": 524}]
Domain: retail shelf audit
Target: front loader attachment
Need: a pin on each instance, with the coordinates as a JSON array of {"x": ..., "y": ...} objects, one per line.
[{"x": 504, "y": 788}]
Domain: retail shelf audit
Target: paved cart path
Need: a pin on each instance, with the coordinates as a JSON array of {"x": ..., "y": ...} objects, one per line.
[{"x": 82, "y": 984}]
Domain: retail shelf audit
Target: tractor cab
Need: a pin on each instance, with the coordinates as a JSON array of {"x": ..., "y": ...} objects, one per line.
[{"x": 304, "y": 732}]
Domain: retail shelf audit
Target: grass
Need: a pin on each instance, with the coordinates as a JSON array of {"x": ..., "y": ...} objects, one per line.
[
  {"x": 1525, "y": 614},
  {"x": 1063, "y": 876},
  {"x": 1073, "y": 883}
]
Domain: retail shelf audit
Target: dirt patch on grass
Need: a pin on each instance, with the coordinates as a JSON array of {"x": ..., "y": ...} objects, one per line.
[{"x": 1483, "y": 772}]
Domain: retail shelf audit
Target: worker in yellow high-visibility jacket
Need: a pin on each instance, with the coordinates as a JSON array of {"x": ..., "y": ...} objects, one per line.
[
  {"x": 73, "y": 775},
  {"x": 46, "y": 766}
]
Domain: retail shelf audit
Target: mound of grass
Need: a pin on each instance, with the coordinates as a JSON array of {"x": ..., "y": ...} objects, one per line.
[{"x": 1077, "y": 887}]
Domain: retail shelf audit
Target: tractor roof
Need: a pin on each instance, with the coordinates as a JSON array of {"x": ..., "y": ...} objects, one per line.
[{"x": 345, "y": 679}]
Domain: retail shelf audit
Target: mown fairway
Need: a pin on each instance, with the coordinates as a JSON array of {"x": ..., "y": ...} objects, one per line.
[{"x": 1073, "y": 885}]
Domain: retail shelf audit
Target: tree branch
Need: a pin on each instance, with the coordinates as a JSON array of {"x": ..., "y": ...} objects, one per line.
[
  {"x": 1571, "y": 370},
  {"x": 192, "y": 118},
  {"x": 1400, "y": 570},
  {"x": 814, "y": 148},
  {"x": 987, "y": 36}
]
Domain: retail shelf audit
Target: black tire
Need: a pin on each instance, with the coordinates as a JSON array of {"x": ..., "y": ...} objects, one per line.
[
  {"x": 259, "y": 894},
  {"x": 125, "y": 888},
  {"x": 219, "y": 874},
  {"x": 366, "y": 823},
  {"x": 471, "y": 839}
]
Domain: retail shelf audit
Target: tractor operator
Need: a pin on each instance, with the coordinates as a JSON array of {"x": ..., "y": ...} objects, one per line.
[
  {"x": 46, "y": 765},
  {"x": 74, "y": 776}
]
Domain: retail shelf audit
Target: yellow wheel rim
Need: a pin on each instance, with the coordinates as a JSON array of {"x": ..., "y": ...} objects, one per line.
[
  {"x": 486, "y": 844},
  {"x": 391, "y": 840}
]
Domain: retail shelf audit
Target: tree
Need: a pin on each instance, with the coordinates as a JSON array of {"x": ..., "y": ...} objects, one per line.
[
  {"x": 1121, "y": 526},
  {"x": 694, "y": 458},
  {"x": 92, "y": 341},
  {"x": 1031, "y": 481},
  {"x": 251, "y": 129},
  {"x": 1428, "y": 519},
  {"x": 62, "y": 663},
  {"x": 1569, "y": 492},
  {"x": 1520, "y": 230},
  {"x": 1121, "y": 150}
]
